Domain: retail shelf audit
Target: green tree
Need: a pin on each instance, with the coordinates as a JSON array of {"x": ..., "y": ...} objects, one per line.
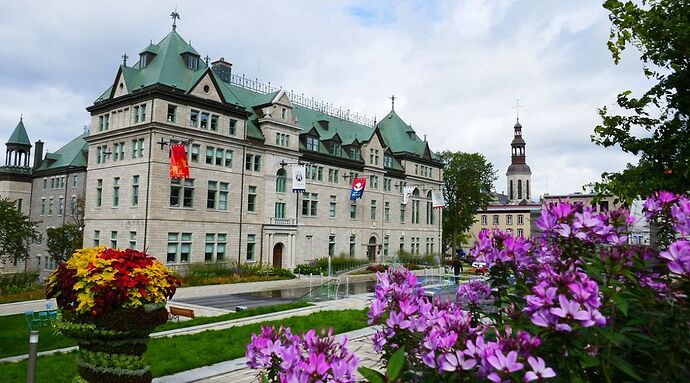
[
  {"x": 468, "y": 179},
  {"x": 653, "y": 126},
  {"x": 63, "y": 241},
  {"x": 17, "y": 231}
]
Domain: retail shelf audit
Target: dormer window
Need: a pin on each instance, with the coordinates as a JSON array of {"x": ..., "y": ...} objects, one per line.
[
  {"x": 312, "y": 143},
  {"x": 387, "y": 161},
  {"x": 191, "y": 60},
  {"x": 411, "y": 134},
  {"x": 354, "y": 152},
  {"x": 336, "y": 149}
]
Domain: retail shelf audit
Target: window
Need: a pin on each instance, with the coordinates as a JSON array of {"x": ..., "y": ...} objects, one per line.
[
  {"x": 521, "y": 232},
  {"x": 312, "y": 144},
  {"x": 223, "y": 196},
  {"x": 483, "y": 220},
  {"x": 336, "y": 149},
  {"x": 220, "y": 157},
  {"x": 429, "y": 213},
  {"x": 233, "y": 127},
  {"x": 331, "y": 245},
  {"x": 282, "y": 139},
  {"x": 416, "y": 171},
  {"x": 212, "y": 195},
  {"x": 332, "y": 209},
  {"x": 280, "y": 210},
  {"x": 333, "y": 175},
  {"x": 73, "y": 204},
  {"x": 252, "y": 162},
  {"x": 103, "y": 122},
  {"x": 172, "y": 111},
  {"x": 374, "y": 156},
  {"x": 374, "y": 182},
  {"x": 75, "y": 181},
  {"x": 283, "y": 113},
  {"x": 354, "y": 153},
  {"x": 182, "y": 192},
  {"x": 415, "y": 211},
  {"x": 113, "y": 239},
  {"x": 509, "y": 219},
  {"x": 228, "y": 158},
  {"x": 402, "y": 213},
  {"x": 192, "y": 62},
  {"x": 520, "y": 219},
  {"x": 45, "y": 183},
  {"x": 495, "y": 219},
  {"x": 179, "y": 244},
  {"x": 173, "y": 244},
  {"x": 251, "y": 244},
  {"x": 52, "y": 182},
  {"x": 204, "y": 120},
  {"x": 353, "y": 245},
  {"x": 387, "y": 184},
  {"x": 373, "y": 210},
  {"x": 210, "y": 248},
  {"x": 519, "y": 189},
  {"x": 96, "y": 238},
  {"x": 604, "y": 206},
  {"x": 139, "y": 113},
  {"x": 99, "y": 192},
  {"x": 61, "y": 206},
  {"x": 386, "y": 211},
  {"x": 310, "y": 204},
  {"x": 43, "y": 206},
  {"x": 101, "y": 155},
  {"x": 387, "y": 161},
  {"x": 353, "y": 210},
  {"x": 402, "y": 244},
  {"x": 132, "y": 239},
  {"x": 116, "y": 191},
  {"x": 137, "y": 148},
  {"x": 257, "y": 163},
  {"x": 280, "y": 181},
  {"x": 214, "y": 122},
  {"x": 194, "y": 118},
  {"x": 251, "y": 199},
  {"x": 210, "y": 151},
  {"x": 221, "y": 241}
]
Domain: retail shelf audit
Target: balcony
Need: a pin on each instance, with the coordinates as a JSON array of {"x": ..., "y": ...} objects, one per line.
[{"x": 282, "y": 221}]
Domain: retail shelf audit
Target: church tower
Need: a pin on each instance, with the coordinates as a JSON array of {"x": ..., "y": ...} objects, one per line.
[{"x": 518, "y": 173}]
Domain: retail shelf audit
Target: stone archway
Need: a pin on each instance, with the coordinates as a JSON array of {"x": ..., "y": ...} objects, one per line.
[
  {"x": 371, "y": 249},
  {"x": 278, "y": 255}
]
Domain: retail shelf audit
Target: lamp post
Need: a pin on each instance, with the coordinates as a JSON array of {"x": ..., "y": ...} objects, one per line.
[{"x": 33, "y": 351}]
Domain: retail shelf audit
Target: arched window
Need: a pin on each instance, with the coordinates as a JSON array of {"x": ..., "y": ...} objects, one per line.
[
  {"x": 415, "y": 192},
  {"x": 510, "y": 190},
  {"x": 429, "y": 209},
  {"x": 527, "y": 182},
  {"x": 280, "y": 181},
  {"x": 519, "y": 189}
]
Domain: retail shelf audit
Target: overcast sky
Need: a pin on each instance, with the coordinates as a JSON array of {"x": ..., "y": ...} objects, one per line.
[{"x": 455, "y": 67}]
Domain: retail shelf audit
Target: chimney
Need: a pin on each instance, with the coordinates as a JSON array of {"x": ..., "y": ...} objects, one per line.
[
  {"x": 323, "y": 124},
  {"x": 222, "y": 69},
  {"x": 38, "y": 153}
]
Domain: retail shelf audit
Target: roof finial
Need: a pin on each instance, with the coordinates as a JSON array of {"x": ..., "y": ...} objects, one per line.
[
  {"x": 392, "y": 97},
  {"x": 124, "y": 59},
  {"x": 517, "y": 109},
  {"x": 175, "y": 16},
  {"x": 206, "y": 59},
  {"x": 21, "y": 117}
]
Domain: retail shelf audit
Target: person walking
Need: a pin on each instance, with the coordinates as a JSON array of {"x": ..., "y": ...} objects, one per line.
[{"x": 457, "y": 266}]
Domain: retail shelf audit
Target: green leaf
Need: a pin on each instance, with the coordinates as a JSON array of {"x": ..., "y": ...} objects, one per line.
[
  {"x": 624, "y": 366},
  {"x": 264, "y": 379},
  {"x": 621, "y": 303},
  {"x": 371, "y": 376},
  {"x": 396, "y": 364}
]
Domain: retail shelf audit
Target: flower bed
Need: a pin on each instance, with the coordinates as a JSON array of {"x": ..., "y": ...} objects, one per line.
[{"x": 110, "y": 301}]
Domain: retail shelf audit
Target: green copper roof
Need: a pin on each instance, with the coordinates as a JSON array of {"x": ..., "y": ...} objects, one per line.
[
  {"x": 400, "y": 136},
  {"x": 72, "y": 154},
  {"x": 19, "y": 136}
]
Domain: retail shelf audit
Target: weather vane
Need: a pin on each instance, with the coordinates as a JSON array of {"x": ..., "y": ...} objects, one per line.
[
  {"x": 175, "y": 16},
  {"x": 392, "y": 97},
  {"x": 517, "y": 109},
  {"x": 124, "y": 59}
]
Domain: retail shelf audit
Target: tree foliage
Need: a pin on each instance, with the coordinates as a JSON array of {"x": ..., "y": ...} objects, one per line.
[
  {"x": 17, "y": 231},
  {"x": 653, "y": 126},
  {"x": 63, "y": 241},
  {"x": 468, "y": 179}
]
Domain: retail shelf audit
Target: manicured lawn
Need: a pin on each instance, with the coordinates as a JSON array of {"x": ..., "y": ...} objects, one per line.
[
  {"x": 14, "y": 335},
  {"x": 170, "y": 355}
]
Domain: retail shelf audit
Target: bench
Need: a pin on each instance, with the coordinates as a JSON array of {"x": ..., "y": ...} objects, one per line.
[{"x": 177, "y": 312}]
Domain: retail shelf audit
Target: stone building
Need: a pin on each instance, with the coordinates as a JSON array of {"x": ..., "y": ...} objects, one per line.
[
  {"x": 519, "y": 173},
  {"x": 243, "y": 140}
]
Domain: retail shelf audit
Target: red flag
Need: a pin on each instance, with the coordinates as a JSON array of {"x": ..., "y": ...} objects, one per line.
[
  {"x": 179, "y": 167},
  {"x": 358, "y": 185}
]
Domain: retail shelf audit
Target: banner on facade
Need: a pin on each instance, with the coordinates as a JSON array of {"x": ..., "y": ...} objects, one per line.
[
  {"x": 407, "y": 193},
  {"x": 437, "y": 200},
  {"x": 358, "y": 185},
  {"x": 299, "y": 179},
  {"x": 179, "y": 167}
]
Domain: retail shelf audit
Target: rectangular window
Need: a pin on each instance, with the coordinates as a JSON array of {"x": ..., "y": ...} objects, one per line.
[
  {"x": 221, "y": 242},
  {"x": 223, "y": 196},
  {"x": 353, "y": 246},
  {"x": 386, "y": 245},
  {"x": 118, "y": 151},
  {"x": 233, "y": 127},
  {"x": 336, "y": 149},
  {"x": 228, "y": 158},
  {"x": 415, "y": 211},
  {"x": 483, "y": 220},
  {"x": 402, "y": 213},
  {"x": 509, "y": 219},
  {"x": 313, "y": 144},
  {"x": 333, "y": 206},
  {"x": 353, "y": 210},
  {"x": 132, "y": 239},
  {"x": 214, "y": 122},
  {"x": 61, "y": 206},
  {"x": 521, "y": 232},
  {"x": 387, "y": 212},
  {"x": 257, "y": 163},
  {"x": 387, "y": 161},
  {"x": 43, "y": 206},
  {"x": 194, "y": 118},
  {"x": 96, "y": 238},
  {"x": 251, "y": 199},
  {"x": 331, "y": 245},
  {"x": 429, "y": 213},
  {"x": 495, "y": 219},
  {"x": 210, "y": 153},
  {"x": 182, "y": 192},
  {"x": 99, "y": 192},
  {"x": 172, "y": 111},
  {"x": 520, "y": 219},
  {"x": 374, "y": 182},
  {"x": 142, "y": 113},
  {"x": 310, "y": 204},
  {"x": 251, "y": 244},
  {"x": 45, "y": 183},
  {"x": 75, "y": 181},
  {"x": 220, "y": 154},
  {"x": 73, "y": 204},
  {"x": 248, "y": 161},
  {"x": 185, "y": 247},
  {"x": 212, "y": 195},
  {"x": 116, "y": 191},
  {"x": 113, "y": 239},
  {"x": 194, "y": 153},
  {"x": 373, "y": 210},
  {"x": 173, "y": 245},
  {"x": 204, "y": 120},
  {"x": 319, "y": 173},
  {"x": 210, "y": 247},
  {"x": 280, "y": 210}
]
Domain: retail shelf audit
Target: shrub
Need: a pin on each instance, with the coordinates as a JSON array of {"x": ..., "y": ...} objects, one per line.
[
  {"x": 338, "y": 263},
  {"x": 377, "y": 268},
  {"x": 19, "y": 282}
]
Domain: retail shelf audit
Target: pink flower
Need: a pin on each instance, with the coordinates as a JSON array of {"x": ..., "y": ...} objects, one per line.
[
  {"x": 570, "y": 309},
  {"x": 505, "y": 363},
  {"x": 454, "y": 361},
  {"x": 539, "y": 370}
]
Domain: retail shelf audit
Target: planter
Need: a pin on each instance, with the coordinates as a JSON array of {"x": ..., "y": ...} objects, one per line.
[{"x": 111, "y": 346}]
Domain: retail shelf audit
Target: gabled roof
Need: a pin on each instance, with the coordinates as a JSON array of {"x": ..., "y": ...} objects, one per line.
[
  {"x": 73, "y": 154},
  {"x": 399, "y": 136},
  {"x": 19, "y": 136}
]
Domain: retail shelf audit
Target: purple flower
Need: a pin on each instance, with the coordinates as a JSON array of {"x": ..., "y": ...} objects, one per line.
[
  {"x": 678, "y": 256},
  {"x": 539, "y": 370},
  {"x": 571, "y": 309},
  {"x": 454, "y": 361},
  {"x": 504, "y": 364}
]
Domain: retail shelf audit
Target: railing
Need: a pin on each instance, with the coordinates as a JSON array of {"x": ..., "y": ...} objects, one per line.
[
  {"x": 282, "y": 221},
  {"x": 302, "y": 100}
]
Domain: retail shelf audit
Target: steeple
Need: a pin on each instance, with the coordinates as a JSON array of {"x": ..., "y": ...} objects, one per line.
[
  {"x": 18, "y": 147},
  {"x": 518, "y": 173}
]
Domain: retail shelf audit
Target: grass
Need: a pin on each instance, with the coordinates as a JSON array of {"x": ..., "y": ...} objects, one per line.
[
  {"x": 14, "y": 336},
  {"x": 171, "y": 355}
]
